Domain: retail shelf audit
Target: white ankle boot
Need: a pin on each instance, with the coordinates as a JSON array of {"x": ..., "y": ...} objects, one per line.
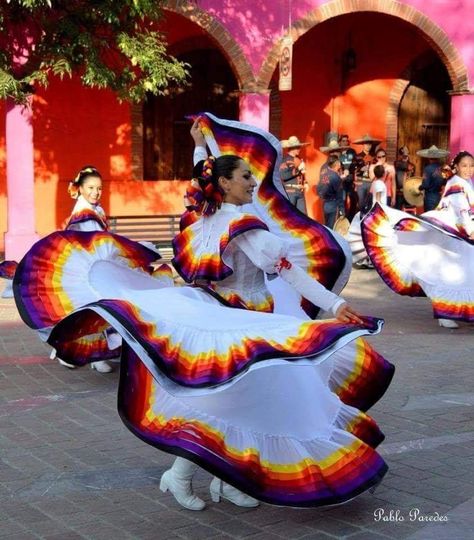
[
  {"x": 448, "y": 323},
  {"x": 101, "y": 366},
  {"x": 220, "y": 489},
  {"x": 53, "y": 356},
  {"x": 178, "y": 480}
]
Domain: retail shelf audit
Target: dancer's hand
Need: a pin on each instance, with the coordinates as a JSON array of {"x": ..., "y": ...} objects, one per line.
[
  {"x": 196, "y": 134},
  {"x": 347, "y": 314}
]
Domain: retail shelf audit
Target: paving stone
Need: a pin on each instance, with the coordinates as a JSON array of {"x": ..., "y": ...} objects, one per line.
[
  {"x": 9, "y": 528},
  {"x": 288, "y": 530},
  {"x": 236, "y": 528},
  {"x": 198, "y": 532},
  {"x": 335, "y": 527}
]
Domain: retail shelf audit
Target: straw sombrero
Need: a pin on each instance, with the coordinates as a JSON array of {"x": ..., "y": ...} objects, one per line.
[
  {"x": 293, "y": 142},
  {"x": 333, "y": 146},
  {"x": 433, "y": 152},
  {"x": 367, "y": 139},
  {"x": 411, "y": 191},
  {"x": 342, "y": 225}
]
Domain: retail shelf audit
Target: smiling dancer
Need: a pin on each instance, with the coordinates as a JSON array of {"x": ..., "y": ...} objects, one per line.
[
  {"x": 433, "y": 254},
  {"x": 269, "y": 403}
]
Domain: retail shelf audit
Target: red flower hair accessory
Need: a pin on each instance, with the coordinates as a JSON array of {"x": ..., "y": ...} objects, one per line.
[{"x": 73, "y": 190}]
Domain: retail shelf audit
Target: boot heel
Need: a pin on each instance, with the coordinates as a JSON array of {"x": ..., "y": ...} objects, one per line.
[
  {"x": 215, "y": 496},
  {"x": 215, "y": 490},
  {"x": 163, "y": 484},
  {"x": 219, "y": 490},
  {"x": 181, "y": 490}
]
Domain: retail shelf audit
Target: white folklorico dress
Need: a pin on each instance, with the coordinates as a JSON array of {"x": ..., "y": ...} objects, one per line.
[
  {"x": 84, "y": 217},
  {"x": 270, "y": 403},
  {"x": 429, "y": 255}
]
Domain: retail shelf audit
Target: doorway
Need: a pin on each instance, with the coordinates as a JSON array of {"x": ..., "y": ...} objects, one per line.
[{"x": 424, "y": 112}]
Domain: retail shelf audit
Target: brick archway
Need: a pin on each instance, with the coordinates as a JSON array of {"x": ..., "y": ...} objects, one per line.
[
  {"x": 227, "y": 44},
  {"x": 398, "y": 90},
  {"x": 437, "y": 39}
]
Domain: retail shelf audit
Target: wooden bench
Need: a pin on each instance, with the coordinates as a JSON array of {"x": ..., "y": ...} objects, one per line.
[{"x": 159, "y": 229}]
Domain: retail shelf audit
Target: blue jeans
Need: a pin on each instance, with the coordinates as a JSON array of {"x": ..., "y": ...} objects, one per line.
[
  {"x": 297, "y": 199},
  {"x": 363, "y": 191},
  {"x": 330, "y": 210}
]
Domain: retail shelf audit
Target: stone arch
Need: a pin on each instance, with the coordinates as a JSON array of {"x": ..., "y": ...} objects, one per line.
[
  {"x": 436, "y": 37},
  {"x": 228, "y": 46}
]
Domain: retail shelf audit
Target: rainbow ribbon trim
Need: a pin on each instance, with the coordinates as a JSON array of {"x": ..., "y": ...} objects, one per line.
[
  {"x": 86, "y": 214},
  {"x": 376, "y": 229},
  {"x": 348, "y": 471},
  {"x": 8, "y": 269},
  {"x": 196, "y": 368}
]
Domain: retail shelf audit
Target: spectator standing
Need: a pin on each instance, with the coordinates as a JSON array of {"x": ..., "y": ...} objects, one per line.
[
  {"x": 363, "y": 160},
  {"x": 348, "y": 163},
  {"x": 292, "y": 172},
  {"x": 433, "y": 179},
  {"x": 330, "y": 191},
  {"x": 389, "y": 176},
  {"x": 404, "y": 169},
  {"x": 378, "y": 187}
]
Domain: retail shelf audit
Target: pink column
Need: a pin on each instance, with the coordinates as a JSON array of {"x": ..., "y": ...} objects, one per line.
[
  {"x": 255, "y": 108},
  {"x": 20, "y": 181},
  {"x": 462, "y": 127}
]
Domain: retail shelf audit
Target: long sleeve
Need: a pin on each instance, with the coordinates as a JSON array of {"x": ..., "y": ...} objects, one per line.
[
  {"x": 200, "y": 154},
  {"x": 267, "y": 252}
]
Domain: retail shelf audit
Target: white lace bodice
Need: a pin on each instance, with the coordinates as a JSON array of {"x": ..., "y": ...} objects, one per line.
[{"x": 238, "y": 255}]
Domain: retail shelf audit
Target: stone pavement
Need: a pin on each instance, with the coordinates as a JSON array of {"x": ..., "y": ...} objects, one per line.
[{"x": 70, "y": 469}]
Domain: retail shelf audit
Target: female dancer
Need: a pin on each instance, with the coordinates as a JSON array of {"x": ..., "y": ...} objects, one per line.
[
  {"x": 432, "y": 254},
  {"x": 269, "y": 403},
  {"x": 7, "y": 271},
  {"x": 87, "y": 215}
]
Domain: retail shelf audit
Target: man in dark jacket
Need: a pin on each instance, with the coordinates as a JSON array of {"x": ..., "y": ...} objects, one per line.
[{"x": 292, "y": 172}]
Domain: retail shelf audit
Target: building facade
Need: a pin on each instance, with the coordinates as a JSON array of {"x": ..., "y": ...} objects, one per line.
[{"x": 400, "y": 70}]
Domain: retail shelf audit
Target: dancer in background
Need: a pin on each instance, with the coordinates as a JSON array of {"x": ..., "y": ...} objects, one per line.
[
  {"x": 86, "y": 216},
  {"x": 431, "y": 255},
  {"x": 7, "y": 272}
]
